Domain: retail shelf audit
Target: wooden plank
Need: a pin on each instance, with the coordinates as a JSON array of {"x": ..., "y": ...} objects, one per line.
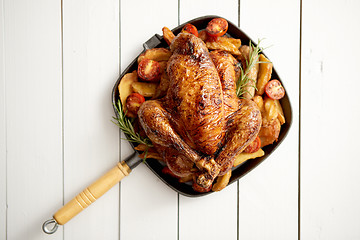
[
  {"x": 268, "y": 196},
  {"x": 91, "y": 66},
  {"x": 148, "y": 206},
  {"x": 193, "y": 9},
  {"x": 330, "y": 194},
  {"x": 2, "y": 128},
  {"x": 33, "y": 115},
  {"x": 213, "y": 216}
]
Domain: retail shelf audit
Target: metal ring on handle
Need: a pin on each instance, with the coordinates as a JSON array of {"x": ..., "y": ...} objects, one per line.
[{"x": 47, "y": 223}]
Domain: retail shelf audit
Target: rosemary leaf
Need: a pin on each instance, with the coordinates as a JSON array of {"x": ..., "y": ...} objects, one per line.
[
  {"x": 253, "y": 60},
  {"x": 126, "y": 125}
]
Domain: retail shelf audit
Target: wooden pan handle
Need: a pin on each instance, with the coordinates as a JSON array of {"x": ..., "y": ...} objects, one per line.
[{"x": 92, "y": 193}]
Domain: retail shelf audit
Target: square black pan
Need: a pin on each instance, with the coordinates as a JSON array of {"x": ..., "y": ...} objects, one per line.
[{"x": 238, "y": 172}]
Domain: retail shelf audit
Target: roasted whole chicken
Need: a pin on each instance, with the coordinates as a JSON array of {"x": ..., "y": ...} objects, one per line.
[{"x": 200, "y": 125}]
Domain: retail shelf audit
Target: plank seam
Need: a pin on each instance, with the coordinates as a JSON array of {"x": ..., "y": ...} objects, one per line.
[
  {"x": 62, "y": 107},
  {"x": 178, "y": 12},
  {"x": 5, "y": 121},
  {"x": 299, "y": 140},
  {"x": 178, "y": 216},
  {"x": 238, "y": 13}
]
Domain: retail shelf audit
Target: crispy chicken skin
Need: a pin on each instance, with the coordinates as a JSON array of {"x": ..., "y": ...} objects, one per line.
[
  {"x": 200, "y": 121},
  {"x": 195, "y": 97}
]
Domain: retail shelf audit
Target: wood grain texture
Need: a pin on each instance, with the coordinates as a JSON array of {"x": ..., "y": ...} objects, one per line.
[
  {"x": 192, "y": 9},
  {"x": 148, "y": 206},
  {"x": 268, "y": 196},
  {"x": 213, "y": 216},
  {"x": 56, "y": 134},
  {"x": 92, "y": 193},
  {"x": 33, "y": 115},
  {"x": 91, "y": 66},
  {"x": 2, "y": 127},
  {"x": 330, "y": 116}
]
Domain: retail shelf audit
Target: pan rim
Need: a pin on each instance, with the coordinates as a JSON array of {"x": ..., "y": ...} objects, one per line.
[{"x": 240, "y": 170}]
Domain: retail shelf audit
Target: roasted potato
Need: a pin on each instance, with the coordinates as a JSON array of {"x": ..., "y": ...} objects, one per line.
[
  {"x": 153, "y": 155},
  {"x": 141, "y": 147},
  {"x": 260, "y": 103},
  {"x": 252, "y": 73},
  {"x": 222, "y": 182},
  {"x": 235, "y": 41},
  {"x": 271, "y": 111},
  {"x": 156, "y": 54},
  {"x": 144, "y": 88},
  {"x": 168, "y": 35},
  {"x": 280, "y": 111},
  {"x": 242, "y": 157},
  {"x": 224, "y": 43},
  {"x": 265, "y": 71},
  {"x": 125, "y": 87}
]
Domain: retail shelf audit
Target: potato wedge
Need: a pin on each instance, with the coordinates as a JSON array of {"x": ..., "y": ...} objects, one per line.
[
  {"x": 235, "y": 41},
  {"x": 153, "y": 155},
  {"x": 125, "y": 87},
  {"x": 141, "y": 147},
  {"x": 280, "y": 111},
  {"x": 271, "y": 111},
  {"x": 252, "y": 73},
  {"x": 242, "y": 157},
  {"x": 260, "y": 103},
  {"x": 156, "y": 54},
  {"x": 168, "y": 35},
  {"x": 144, "y": 88},
  {"x": 225, "y": 43},
  {"x": 222, "y": 182},
  {"x": 265, "y": 71}
]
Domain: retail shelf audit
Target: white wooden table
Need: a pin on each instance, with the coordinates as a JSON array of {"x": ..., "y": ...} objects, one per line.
[{"x": 58, "y": 63}]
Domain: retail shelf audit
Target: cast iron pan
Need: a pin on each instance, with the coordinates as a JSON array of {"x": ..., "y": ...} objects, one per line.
[
  {"x": 99, "y": 187},
  {"x": 184, "y": 188}
]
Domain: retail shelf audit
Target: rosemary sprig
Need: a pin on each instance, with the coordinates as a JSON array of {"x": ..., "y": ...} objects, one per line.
[
  {"x": 244, "y": 78},
  {"x": 125, "y": 124}
]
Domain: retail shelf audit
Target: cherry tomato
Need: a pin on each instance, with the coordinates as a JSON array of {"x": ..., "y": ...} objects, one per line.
[
  {"x": 254, "y": 146},
  {"x": 274, "y": 89},
  {"x": 189, "y": 28},
  {"x": 149, "y": 70},
  {"x": 217, "y": 27},
  {"x": 133, "y": 103}
]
